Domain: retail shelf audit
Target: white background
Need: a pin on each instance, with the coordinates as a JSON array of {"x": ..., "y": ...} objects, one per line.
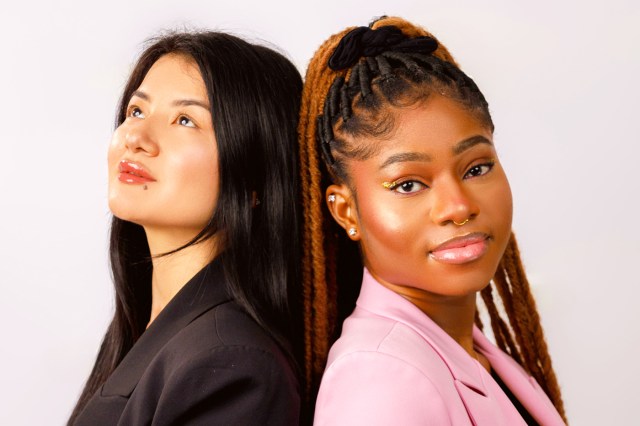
[{"x": 562, "y": 82}]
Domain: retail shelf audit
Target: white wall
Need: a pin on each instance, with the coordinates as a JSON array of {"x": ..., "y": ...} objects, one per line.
[{"x": 561, "y": 79}]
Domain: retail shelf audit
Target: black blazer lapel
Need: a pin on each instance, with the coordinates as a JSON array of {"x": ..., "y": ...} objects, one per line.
[{"x": 204, "y": 291}]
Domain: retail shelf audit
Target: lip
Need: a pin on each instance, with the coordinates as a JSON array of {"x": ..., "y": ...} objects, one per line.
[
  {"x": 133, "y": 173},
  {"x": 462, "y": 249}
]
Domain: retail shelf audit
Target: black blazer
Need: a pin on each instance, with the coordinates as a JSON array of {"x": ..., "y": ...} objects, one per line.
[{"x": 203, "y": 361}]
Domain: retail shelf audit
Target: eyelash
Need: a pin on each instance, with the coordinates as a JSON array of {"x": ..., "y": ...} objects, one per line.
[
  {"x": 185, "y": 117},
  {"x": 489, "y": 165},
  {"x": 133, "y": 110},
  {"x": 393, "y": 186}
]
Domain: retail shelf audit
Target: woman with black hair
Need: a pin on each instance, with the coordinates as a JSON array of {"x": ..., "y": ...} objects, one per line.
[{"x": 202, "y": 188}]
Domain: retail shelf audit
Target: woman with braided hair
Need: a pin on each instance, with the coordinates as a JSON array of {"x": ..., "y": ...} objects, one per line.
[{"x": 406, "y": 204}]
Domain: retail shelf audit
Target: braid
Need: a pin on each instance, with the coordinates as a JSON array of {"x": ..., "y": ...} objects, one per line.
[
  {"x": 339, "y": 106},
  {"x": 501, "y": 331},
  {"x": 317, "y": 283},
  {"x": 364, "y": 80},
  {"x": 520, "y": 306}
]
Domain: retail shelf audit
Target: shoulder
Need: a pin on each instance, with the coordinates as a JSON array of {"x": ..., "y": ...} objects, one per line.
[
  {"x": 228, "y": 336},
  {"x": 223, "y": 367},
  {"x": 381, "y": 372},
  {"x": 224, "y": 329},
  {"x": 377, "y": 388},
  {"x": 367, "y": 333}
]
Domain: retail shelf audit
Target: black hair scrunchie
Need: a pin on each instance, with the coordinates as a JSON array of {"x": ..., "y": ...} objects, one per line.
[{"x": 363, "y": 41}]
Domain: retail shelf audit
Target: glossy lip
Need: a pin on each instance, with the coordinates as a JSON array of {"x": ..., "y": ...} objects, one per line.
[
  {"x": 462, "y": 249},
  {"x": 133, "y": 173}
]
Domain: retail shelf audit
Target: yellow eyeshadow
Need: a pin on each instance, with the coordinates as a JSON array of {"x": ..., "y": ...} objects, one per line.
[{"x": 389, "y": 185}]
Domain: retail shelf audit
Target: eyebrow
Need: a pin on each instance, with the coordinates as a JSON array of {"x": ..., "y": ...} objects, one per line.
[
  {"x": 190, "y": 102},
  {"x": 140, "y": 94},
  {"x": 458, "y": 149},
  {"x": 180, "y": 102},
  {"x": 405, "y": 156},
  {"x": 469, "y": 143}
]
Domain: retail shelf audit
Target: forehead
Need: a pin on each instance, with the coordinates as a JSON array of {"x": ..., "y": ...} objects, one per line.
[
  {"x": 435, "y": 124},
  {"x": 174, "y": 73}
]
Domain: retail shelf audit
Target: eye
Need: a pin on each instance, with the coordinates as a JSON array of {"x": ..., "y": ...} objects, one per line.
[
  {"x": 407, "y": 187},
  {"x": 134, "y": 111},
  {"x": 479, "y": 170},
  {"x": 183, "y": 120}
]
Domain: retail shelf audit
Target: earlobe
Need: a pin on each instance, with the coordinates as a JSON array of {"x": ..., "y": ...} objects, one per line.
[
  {"x": 342, "y": 207},
  {"x": 255, "y": 201}
]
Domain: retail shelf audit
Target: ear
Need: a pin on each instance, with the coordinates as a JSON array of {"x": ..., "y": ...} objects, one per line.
[{"x": 342, "y": 206}]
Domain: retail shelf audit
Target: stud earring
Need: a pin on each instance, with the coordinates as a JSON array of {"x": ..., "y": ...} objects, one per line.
[
  {"x": 331, "y": 198},
  {"x": 352, "y": 231}
]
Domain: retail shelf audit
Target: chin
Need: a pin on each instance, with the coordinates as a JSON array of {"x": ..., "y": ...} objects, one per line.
[
  {"x": 465, "y": 284},
  {"x": 466, "y": 291},
  {"x": 126, "y": 211}
]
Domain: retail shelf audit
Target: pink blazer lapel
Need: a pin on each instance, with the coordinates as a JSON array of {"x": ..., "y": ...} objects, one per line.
[
  {"x": 378, "y": 299},
  {"x": 467, "y": 373},
  {"x": 523, "y": 386},
  {"x": 483, "y": 407}
]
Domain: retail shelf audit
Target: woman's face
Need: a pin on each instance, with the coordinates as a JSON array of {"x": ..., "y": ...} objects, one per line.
[
  {"x": 437, "y": 169},
  {"x": 163, "y": 161}
]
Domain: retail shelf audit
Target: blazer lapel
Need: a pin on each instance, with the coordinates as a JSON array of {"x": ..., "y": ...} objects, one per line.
[
  {"x": 466, "y": 371},
  {"x": 204, "y": 291},
  {"x": 523, "y": 386},
  {"x": 483, "y": 407}
]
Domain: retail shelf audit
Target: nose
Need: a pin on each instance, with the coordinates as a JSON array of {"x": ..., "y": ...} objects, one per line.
[
  {"x": 452, "y": 204},
  {"x": 138, "y": 138}
]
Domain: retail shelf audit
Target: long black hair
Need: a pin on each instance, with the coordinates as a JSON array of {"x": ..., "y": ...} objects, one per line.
[{"x": 254, "y": 94}]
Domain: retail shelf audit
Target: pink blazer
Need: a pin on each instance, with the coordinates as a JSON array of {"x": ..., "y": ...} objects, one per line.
[{"x": 394, "y": 366}]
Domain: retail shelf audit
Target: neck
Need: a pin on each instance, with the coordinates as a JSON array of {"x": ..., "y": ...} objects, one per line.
[
  {"x": 454, "y": 314},
  {"x": 172, "y": 272}
]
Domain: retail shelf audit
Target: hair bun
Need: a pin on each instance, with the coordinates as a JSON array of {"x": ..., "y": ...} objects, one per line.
[{"x": 364, "y": 41}]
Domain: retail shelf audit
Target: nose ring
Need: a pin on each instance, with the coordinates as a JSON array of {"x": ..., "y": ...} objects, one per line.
[{"x": 462, "y": 223}]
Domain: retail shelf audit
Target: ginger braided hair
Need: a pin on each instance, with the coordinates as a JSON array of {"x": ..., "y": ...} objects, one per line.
[{"x": 341, "y": 102}]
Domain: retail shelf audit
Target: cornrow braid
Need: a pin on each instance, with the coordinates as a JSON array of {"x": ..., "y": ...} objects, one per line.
[{"x": 339, "y": 106}]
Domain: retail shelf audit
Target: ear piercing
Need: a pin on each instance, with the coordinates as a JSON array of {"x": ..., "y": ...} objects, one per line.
[
  {"x": 331, "y": 198},
  {"x": 352, "y": 232},
  {"x": 462, "y": 223}
]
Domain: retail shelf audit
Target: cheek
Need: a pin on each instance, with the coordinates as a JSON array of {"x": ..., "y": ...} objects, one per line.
[
  {"x": 194, "y": 165},
  {"x": 385, "y": 223},
  {"x": 386, "y": 226},
  {"x": 380, "y": 221},
  {"x": 506, "y": 206},
  {"x": 196, "y": 178},
  {"x": 499, "y": 206}
]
